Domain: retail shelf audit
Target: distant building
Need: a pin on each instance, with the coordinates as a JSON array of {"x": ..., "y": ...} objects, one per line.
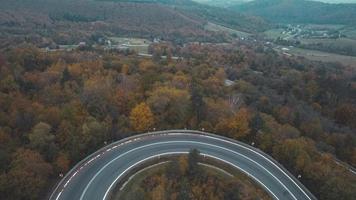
[
  {"x": 81, "y": 44},
  {"x": 229, "y": 82},
  {"x": 108, "y": 43},
  {"x": 156, "y": 40}
]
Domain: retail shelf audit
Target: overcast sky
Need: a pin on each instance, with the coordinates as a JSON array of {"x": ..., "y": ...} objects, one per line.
[
  {"x": 339, "y": 1},
  {"x": 327, "y": 1}
]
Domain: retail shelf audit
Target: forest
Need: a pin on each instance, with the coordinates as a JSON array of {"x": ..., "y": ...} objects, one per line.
[
  {"x": 48, "y": 23},
  {"x": 300, "y": 11},
  {"x": 57, "y": 107}
]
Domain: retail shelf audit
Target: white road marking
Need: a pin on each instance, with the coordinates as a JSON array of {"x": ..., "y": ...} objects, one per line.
[
  {"x": 137, "y": 163},
  {"x": 168, "y": 142},
  {"x": 258, "y": 153},
  {"x": 183, "y": 152},
  {"x": 140, "y": 171},
  {"x": 216, "y": 168},
  {"x": 250, "y": 175},
  {"x": 186, "y": 133}
]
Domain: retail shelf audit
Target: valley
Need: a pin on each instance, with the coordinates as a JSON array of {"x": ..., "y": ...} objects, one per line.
[{"x": 260, "y": 95}]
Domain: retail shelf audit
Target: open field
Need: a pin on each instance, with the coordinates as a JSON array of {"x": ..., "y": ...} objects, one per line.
[
  {"x": 273, "y": 33},
  {"x": 337, "y": 42},
  {"x": 139, "y": 45},
  {"x": 218, "y": 28},
  {"x": 325, "y": 26},
  {"x": 334, "y": 39},
  {"x": 129, "y": 41},
  {"x": 350, "y": 33},
  {"x": 323, "y": 56}
]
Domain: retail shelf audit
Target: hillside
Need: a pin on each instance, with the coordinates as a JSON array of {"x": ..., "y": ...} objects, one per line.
[
  {"x": 51, "y": 22},
  {"x": 222, "y": 3},
  {"x": 68, "y": 22},
  {"x": 219, "y": 15},
  {"x": 300, "y": 11}
]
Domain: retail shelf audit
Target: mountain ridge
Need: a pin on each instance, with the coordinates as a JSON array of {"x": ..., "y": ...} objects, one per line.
[{"x": 300, "y": 11}]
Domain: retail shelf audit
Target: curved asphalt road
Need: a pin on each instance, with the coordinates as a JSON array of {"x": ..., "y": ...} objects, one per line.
[{"x": 95, "y": 176}]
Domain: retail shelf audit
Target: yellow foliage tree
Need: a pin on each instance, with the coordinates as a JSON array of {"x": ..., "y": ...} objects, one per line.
[
  {"x": 158, "y": 193},
  {"x": 238, "y": 126},
  {"x": 141, "y": 117},
  {"x": 240, "y": 123},
  {"x": 183, "y": 164}
]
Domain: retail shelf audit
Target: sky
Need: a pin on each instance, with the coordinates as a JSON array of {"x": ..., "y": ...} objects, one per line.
[
  {"x": 326, "y": 1},
  {"x": 339, "y": 1}
]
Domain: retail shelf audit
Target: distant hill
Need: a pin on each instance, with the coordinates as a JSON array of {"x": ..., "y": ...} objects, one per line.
[
  {"x": 222, "y": 3},
  {"x": 69, "y": 21},
  {"x": 300, "y": 11},
  {"x": 219, "y": 15}
]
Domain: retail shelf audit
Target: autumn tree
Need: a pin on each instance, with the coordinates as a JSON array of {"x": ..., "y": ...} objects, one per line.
[
  {"x": 7, "y": 146},
  {"x": 346, "y": 114},
  {"x": 159, "y": 192},
  {"x": 312, "y": 128},
  {"x": 62, "y": 162},
  {"x": 141, "y": 117},
  {"x": 170, "y": 105},
  {"x": 137, "y": 194},
  {"x": 232, "y": 192},
  {"x": 42, "y": 139},
  {"x": 93, "y": 134},
  {"x": 236, "y": 127},
  {"x": 295, "y": 154},
  {"x": 215, "y": 110},
  {"x": 28, "y": 175},
  {"x": 329, "y": 178},
  {"x": 96, "y": 96},
  {"x": 8, "y": 84},
  {"x": 183, "y": 164}
]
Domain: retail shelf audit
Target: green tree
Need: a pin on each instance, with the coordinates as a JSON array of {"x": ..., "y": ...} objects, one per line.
[
  {"x": 65, "y": 76},
  {"x": 42, "y": 139},
  {"x": 193, "y": 159},
  {"x": 184, "y": 191},
  {"x": 256, "y": 123},
  {"x": 196, "y": 94},
  {"x": 94, "y": 134}
]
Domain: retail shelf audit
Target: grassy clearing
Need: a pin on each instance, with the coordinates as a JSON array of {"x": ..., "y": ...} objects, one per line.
[
  {"x": 336, "y": 42},
  {"x": 323, "y": 56},
  {"x": 130, "y": 41},
  {"x": 350, "y": 32},
  {"x": 218, "y": 28},
  {"x": 325, "y": 26},
  {"x": 273, "y": 33},
  {"x": 139, "y": 45}
]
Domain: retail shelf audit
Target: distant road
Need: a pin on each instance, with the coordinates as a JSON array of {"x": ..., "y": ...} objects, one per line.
[{"x": 94, "y": 177}]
